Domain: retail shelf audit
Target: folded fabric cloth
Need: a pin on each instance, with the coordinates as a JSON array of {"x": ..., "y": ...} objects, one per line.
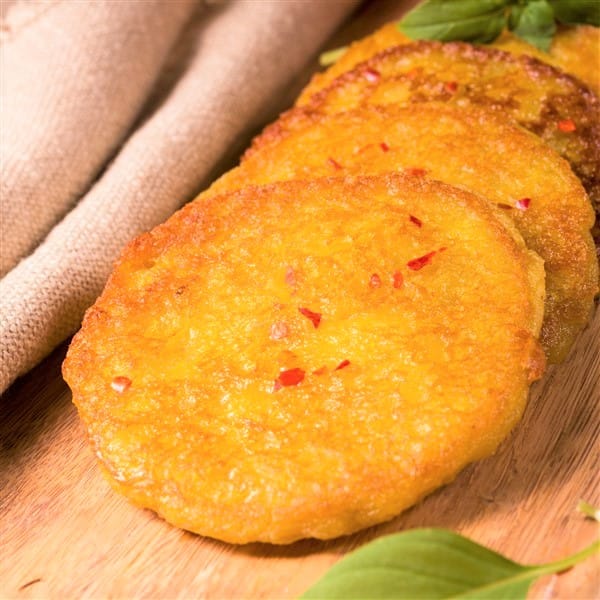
[
  {"x": 244, "y": 54},
  {"x": 75, "y": 77}
]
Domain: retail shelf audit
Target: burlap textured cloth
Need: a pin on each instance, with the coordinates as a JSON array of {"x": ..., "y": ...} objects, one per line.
[{"x": 75, "y": 77}]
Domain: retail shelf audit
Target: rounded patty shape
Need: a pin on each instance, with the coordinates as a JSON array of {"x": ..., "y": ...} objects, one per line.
[
  {"x": 521, "y": 89},
  {"x": 575, "y": 50},
  {"x": 302, "y": 360},
  {"x": 462, "y": 146}
]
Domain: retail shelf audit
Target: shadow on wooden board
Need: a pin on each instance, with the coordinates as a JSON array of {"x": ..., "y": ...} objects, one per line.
[{"x": 558, "y": 427}]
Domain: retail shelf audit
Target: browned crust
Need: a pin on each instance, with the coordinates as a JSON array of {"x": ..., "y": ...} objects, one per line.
[
  {"x": 576, "y": 101},
  {"x": 557, "y": 227},
  {"x": 211, "y": 465}
]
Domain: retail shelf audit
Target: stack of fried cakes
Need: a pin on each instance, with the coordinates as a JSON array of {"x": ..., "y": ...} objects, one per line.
[{"x": 356, "y": 312}]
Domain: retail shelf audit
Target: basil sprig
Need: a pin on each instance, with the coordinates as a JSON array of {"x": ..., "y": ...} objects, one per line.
[
  {"x": 433, "y": 564},
  {"x": 482, "y": 21},
  {"x": 573, "y": 12},
  {"x": 533, "y": 22},
  {"x": 447, "y": 20}
]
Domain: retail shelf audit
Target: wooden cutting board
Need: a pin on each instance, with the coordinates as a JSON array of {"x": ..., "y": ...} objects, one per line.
[{"x": 65, "y": 534}]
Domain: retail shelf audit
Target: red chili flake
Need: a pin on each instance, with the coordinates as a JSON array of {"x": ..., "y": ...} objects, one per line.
[
  {"x": 290, "y": 276},
  {"x": 567, "y": 125},
  {"x": 418, "y": 263},
  {"x": 504, "y": 206},
  {"x": 343, "y": 364},
  {"x": 309, "y": 314},
  {"x": 334, "y": 163},
  {"x": 120, "y": 384},
  {"x": 289, "y": 377},
  {"x": 279, "y": 330},
  {"x": 375, "y": 281},
  {"x": 450, "y": 86},
  {"x": 415, "y": 171},
  {"x": 523, "y": 203},
  {"x": 415, "y": 220},
  {"x": 372, "y": 75},
  {"x": 320, "y": 370},
  {"x": 384, "y": 147},
  {"x": 397, "y": 280}
]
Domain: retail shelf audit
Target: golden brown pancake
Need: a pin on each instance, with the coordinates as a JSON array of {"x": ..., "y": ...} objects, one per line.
[
  {"x": 575, "y": 50},
  {"x": 280, "y": 362},
  {"x": 544, "y": 100},
  {"x": 468, "y": 147}
]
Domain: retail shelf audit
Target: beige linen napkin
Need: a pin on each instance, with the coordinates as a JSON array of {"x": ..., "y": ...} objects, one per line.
[
  {"x": 74, "y": 76},
  {"x": 246, "y": 53}
]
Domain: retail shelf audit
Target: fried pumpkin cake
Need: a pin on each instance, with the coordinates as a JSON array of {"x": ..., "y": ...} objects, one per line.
[
  {"x": 303, "y": 360},
  {"x": 574, "y": 49},
  {"x": 521, "y": 89},
  {"x": 459, "y": 146}
]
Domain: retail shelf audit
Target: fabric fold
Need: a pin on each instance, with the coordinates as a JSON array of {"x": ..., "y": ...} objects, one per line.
[
  {"x": 74, "y": 78},
  {"x": 246, "y": 54}
]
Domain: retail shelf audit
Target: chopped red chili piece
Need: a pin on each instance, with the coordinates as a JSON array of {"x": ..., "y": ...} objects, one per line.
[
  {"x": 343, "y": 364},
  {"x": 290, "y": 276},
  {"x": 415, "y": 171},
  {"x": 279, "y": 330},
  {"x": 450, "y": 86},
  {"x": 397, "y": 280},
  {"x": 418, "y": 263},
  {"x": 384, "y": 147},
  {"x": 523, "y": 203},
  {"x": 313, "y": 316},
  {"x": 334, "y": 163},
  {"x": 415, "y": 220},
  {"x": 375, "y": 281},
  {"x": 288, "y": 377},
  {"x": 567, "y": 125},
  {"x": 372, "y": 75},
  {"x": 120, "y": 384}
]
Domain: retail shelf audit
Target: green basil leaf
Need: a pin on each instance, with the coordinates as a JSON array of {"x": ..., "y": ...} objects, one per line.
[
  {"x": 468, "y": 20},
  {"x": 515, "y": 15},
  {"x": 534, "y": 23},
  {"x": 573, "y": 12},
  {"x": 433, "y": 564}
]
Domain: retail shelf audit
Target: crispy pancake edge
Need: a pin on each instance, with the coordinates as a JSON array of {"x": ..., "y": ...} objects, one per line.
[
  {"x": 581, "y": 105},
  {"x": 561, "y": 54},
  {"x": 571, "y": 312},
  {"x": 79, "y": 361}
]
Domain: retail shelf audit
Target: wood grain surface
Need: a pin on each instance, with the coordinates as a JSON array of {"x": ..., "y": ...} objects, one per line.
[{"x": 65, "y": 534}]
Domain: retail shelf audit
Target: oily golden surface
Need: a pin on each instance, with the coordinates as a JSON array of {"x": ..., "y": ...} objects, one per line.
[
  {"x": 202, "y": 314},
  {"x": 548, "y": 102},
  {"x": 461, "y": 146},
  {"x": 575, "y": 50}
]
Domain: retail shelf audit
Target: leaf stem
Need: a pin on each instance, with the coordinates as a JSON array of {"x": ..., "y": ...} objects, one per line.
[
  {"x": 330, "y": 56},
  {"x": 565, "y": 563},
  {"x": 531, "y": 572}
]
